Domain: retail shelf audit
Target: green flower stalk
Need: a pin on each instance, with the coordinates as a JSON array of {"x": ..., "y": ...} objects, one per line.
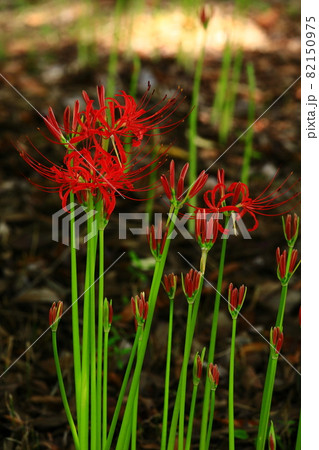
[
  {"x": 190, "y": 288},
  {"x": 213, "y": 376},
  {"x": 169, "y": 284},
  {"x": 107, "y": 322},
  {"x": 205, "y": 15},
  {"x": 204, "y": 231},
  {"x": 140, "y": 311},
  {"x": 236, "y": 299},
  {"x": 286, "y": 267},
  {"x": 197, "y": 373},
  {"x": 54, "y": 319},
  {"x": 276, "y": 341}
]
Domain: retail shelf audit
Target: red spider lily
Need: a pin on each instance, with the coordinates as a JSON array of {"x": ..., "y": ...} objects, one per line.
[
  {"x": 276, "y": 339},
  {"x": 122, "y": 117},
  {"x": 157, "y": 240},
  {"x": 175, "y": 196},
  {"x": 236, "y": 299},
  {"x": 55, "y": 315},
  {"x": 236, "y": 198},
  {"x": 191, "y": 284},
  {"x": 96, "y": 172},
  {"x": 213, "y": 375},
  {"x": 206, "y": 231},
  {"x": 169, "y": 284},
  {"x": 116, "y": 119}
]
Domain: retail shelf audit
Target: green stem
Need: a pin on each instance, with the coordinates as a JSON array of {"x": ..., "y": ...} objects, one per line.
[
  {"x": 75, "y": 313},
  {"x": 184, "y": 379},
  {"x": 85, "y": 379},
  {"x": 211, "y": 351},
  {"x": 100, "y": 340},
  {"x": 92, "y": 259},
  {"x": 158, "y": 273},
  {"x": 104, "y": 404},
  {"x": 298, "y": 441},
  {"x": 63, "y": 393},
  {"x": 193, "y": 124},
  {"x": 175, "y": 416},
  {"x": 122, "y": 391},
  {"x": 231, "y": 426},
  {"x": 191, "y": 419},
  {"x": 251, "y": 117},
  {"x": 270, "y": 375},
  {"x": 211, "y": 418},
  {"x": 167, "y": 374},
  {"x": 135, "y": 406},
  {"x": 266, "y": 403},
  {"x": 222, "y": 86}
]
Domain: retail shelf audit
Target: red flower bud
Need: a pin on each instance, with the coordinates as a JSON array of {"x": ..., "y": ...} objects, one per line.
[
  {"x": 191, "y": 284},
  {"x": 236, "y": 299},
  {"x": 169, "y": 283},
  {"x": 276, "y": 339},
  {"x": 55, "y": 315},
  {"x": 213, "y": 375},
  {"x": 140, "y": 309}
]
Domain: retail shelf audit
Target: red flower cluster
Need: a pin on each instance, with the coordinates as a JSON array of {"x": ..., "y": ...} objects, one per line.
[
  {"x": 95, "y": 160},
  {"x": 236, "y": 199}
]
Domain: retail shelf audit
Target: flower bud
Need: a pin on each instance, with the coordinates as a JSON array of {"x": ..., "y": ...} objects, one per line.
[
  {"x": 55, "y": 315},
  {"x": 107, "y": 315},
  {"x": 291, "y": 229},
  {"x": 271, "y": 437},
  {"x": 191, "y": 284},
  {"x": 169, "y": 284},
  {"x": 140, "y": 309},
  {"x": 236, "y": 299},
  {"x": 213, "y": 375},
  {"x": 276, "y": 340}
]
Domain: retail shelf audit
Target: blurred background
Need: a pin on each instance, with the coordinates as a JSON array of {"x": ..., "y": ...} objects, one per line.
[{"x": 245, "y": 59}]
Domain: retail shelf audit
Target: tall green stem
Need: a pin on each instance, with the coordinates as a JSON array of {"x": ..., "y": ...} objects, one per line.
[
  {"x": 100, "y": 340},
  {"x": 158, "y": 272},
  {"x": 251, "y": 117},
  {"x": 167, "y": 375},
  {"x": 231, "y": 427},
  {"x": 175, "y": 415},
  {"x": 122, "y": 391},
  {"x": 75, "y": 312},
  {"x": 193, "y": 123},
  {"x": 135, "y": 406},
  {"x": 184, "y": 379},
  {"x": 104, "y": 404},
  {"x": 298, "y": 441},
  {"x": 266, "y": 403},
  {"x": 63, "y": 393},
  {"x": 211, "y": 419},
  {"x": 271, "y": 371},
  {"x": 191, "y": 418},
  {"x": 211, "y": 351},
  {"x": 92, "y": 259}
]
